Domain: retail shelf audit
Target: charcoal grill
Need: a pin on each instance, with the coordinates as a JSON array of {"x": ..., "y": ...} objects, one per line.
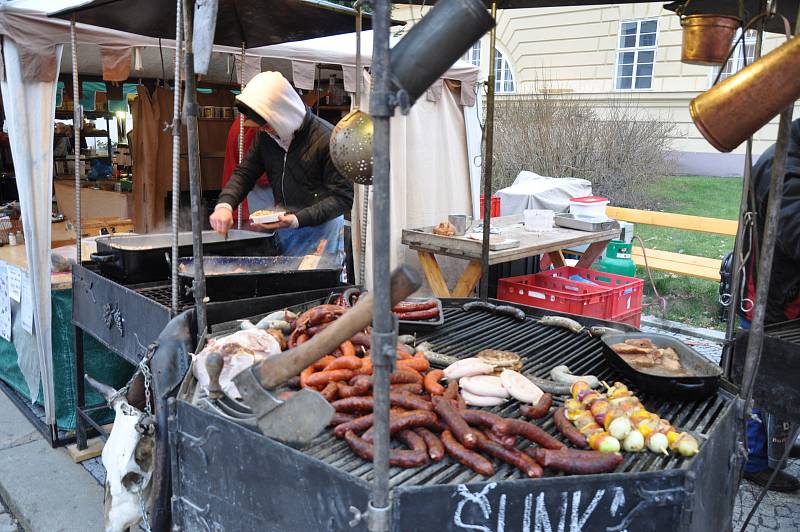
[
  {"x": 775, "y": 388},
  {"x": 228, "y": 476}
]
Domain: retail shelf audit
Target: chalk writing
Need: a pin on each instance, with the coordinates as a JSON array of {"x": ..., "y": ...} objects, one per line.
[{"x": 536, "y": 517}]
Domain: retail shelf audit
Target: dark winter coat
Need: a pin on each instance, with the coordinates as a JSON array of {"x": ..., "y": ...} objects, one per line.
[{"x": 304, "y": 180}]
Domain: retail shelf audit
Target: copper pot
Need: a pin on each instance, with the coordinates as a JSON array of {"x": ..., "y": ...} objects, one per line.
[
  {"x": 707, "y": 38},
  {"x": 733, "y": 110}
]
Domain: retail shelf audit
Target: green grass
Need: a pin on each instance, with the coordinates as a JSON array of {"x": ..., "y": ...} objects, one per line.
[{"x": 691, "y": 301}]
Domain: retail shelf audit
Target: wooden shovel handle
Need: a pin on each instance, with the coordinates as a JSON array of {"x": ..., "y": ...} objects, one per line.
[{"x": 278, "y": 369}]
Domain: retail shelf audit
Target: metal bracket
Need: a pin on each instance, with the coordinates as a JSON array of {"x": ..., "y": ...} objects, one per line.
[
  {"x": 198, "y": 442},
  {"x": 112, "y": 317},
  {"x": 376, "y": 518},
  {"x": 651, "y": 498},
  {"x": 402, "y": 100},
  {"x": 389, "y": 342}
]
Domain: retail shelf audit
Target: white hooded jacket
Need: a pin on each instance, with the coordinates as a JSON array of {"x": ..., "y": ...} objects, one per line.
[{"x": 274, "y": 99}]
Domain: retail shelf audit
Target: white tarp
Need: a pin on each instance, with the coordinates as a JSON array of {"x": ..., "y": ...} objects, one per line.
[
  {"x": 533, "y": 191},
  {"x": 29, "y": 106}
]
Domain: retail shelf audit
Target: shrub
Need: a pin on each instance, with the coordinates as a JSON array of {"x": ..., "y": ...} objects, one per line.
[{"x": 616, "y": 146}]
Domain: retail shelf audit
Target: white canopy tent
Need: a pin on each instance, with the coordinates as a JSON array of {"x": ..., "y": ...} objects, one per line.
[{"x": 435, "y": 148}]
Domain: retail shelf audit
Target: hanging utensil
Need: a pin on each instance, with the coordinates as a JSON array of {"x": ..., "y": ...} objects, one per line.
[
  {"x": 706, "y": 37},
  {"x": 351, "y": 139}
]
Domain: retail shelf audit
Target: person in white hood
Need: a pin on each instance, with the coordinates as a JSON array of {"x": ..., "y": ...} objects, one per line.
[{"x": 293, "y": 149}]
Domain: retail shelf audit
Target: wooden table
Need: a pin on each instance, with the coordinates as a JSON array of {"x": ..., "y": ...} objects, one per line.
[{"x": 427, "y": 245}]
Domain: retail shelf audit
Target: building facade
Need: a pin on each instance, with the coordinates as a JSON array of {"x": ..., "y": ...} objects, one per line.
[{"x": 604, "y": 54}]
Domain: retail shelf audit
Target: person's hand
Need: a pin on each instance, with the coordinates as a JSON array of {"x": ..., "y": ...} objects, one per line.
[
  {"x": 221, "y": 221},
  {"x": 284, "y": 221}
]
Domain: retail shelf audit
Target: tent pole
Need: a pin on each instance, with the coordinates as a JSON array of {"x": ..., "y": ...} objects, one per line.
[
  {"x": 383, "y": 332},
  {"x": 77, "y": 122},
  {"x": 193, "y": 145},
  {"x": 241, "y": 131},
  {"x": 176, "y": 155},
  {"x": 487, "y": 161}
]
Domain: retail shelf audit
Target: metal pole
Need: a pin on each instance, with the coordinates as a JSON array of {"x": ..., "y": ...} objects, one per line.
[
  {"x": 241, "y": 132},
  {"x": 736, "y": 266},
  {"x": 176, "y": 154},
  {"x": 362, "y": 266},
  {"x": 77, "y": 123},
  {"x": 383, "y": 332},
  {"x": 193, "y": 145},
  {"x": 487, "y": 161},
  {"x": 756, "y": 338}
]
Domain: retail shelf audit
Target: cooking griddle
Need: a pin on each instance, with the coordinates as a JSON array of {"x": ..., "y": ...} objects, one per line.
[{"x": 229, "y": 278}]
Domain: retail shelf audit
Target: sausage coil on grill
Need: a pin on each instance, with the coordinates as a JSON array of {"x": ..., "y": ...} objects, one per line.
[
  {"x": 540, "y": 409},
  {"x": 530, "y": 432},
  {"x": 457, "y": 425},
  {"x": 465, "y": 457}
]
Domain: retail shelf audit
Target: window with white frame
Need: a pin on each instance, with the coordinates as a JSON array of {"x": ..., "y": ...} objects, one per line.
[
  {"x": 736, "y": 61},
  {"x": 503, "y": 75},
  {"x": 474, "y": 54},
  {"x": 636, "y": 54}
]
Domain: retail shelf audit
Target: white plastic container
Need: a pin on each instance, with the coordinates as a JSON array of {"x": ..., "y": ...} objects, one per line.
[
  {"x": 537, "y": 219},
  {"x": 589, "y": 206}
]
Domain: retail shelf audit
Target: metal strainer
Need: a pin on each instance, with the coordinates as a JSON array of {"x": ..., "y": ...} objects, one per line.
[{"x": 351, "y": 147}]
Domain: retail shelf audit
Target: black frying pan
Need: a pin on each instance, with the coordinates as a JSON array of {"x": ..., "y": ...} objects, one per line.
[{"x": 703, "y": 375}]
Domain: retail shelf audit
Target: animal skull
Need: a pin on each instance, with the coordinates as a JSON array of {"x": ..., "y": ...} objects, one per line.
[{"x": 128, "y": 459}]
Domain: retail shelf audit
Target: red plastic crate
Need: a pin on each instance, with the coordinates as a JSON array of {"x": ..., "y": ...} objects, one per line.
[
  {"x": 633, "y": 318},
  {"x": 494, "y": 210},
  {"x": 612, "y": 297}
]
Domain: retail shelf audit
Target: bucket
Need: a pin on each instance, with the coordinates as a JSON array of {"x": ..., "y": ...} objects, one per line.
[
  {"x": 733, "y": 110},
  {"x": 707, "y": 38}
]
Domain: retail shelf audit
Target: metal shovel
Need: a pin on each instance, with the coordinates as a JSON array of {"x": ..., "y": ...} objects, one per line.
[{"x": 300, "y": 418}]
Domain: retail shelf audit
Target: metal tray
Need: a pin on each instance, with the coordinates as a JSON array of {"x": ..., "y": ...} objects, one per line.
[
  {"x": 409, "y": 326},
  {"x": 582, "y": 223},
  {"x": 702, "y": 381},
  {"x": 422, "y": 325}
]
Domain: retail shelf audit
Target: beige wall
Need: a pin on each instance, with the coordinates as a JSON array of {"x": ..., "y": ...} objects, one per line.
[{"x": 574, "y": 49}]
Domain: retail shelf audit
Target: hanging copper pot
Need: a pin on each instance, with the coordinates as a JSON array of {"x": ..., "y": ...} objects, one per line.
[
  {"x": 733, "y": 110},
  {"x": 707, "y": 38}
]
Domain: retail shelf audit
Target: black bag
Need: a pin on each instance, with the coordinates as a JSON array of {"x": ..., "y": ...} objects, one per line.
[{"x": 725, "y": 280}]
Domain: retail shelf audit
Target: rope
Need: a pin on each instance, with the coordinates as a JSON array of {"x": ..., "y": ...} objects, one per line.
[
  {"x": 176, "y": 164},
  {"x": 77, "y": 122},
  {"x": 241, "y": 133}
]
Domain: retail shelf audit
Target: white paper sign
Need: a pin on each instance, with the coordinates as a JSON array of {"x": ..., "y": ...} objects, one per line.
[
  {"x": 5, "y": 304},
  {"x": 14, "y": 283},
  {"x": 26, "y": 305}
]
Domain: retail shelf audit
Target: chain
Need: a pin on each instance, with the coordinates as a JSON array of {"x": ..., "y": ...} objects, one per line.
[
  {"x": 145, "y": 522},
  {"x": 145, "y": 369}
]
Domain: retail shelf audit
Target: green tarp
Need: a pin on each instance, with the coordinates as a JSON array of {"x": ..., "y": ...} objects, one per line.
[{"x": 99, "y": 362}]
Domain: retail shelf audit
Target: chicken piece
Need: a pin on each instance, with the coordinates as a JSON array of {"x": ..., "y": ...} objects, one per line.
[
  {"x": 645, "y": 343},
  {"x": 627, "y": 349},
  {"x": 641, "y": 361},
  {"x": 239, "y": 351},
  {"x": 670, "y": 354},
  {"x": 671, "y": 364}
]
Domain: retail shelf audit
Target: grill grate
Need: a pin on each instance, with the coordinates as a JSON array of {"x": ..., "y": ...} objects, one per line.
[
  {"x": 542, "y": 348},
  {"x": 788, "y": 331},
  {"x": 162, "y": 294}
]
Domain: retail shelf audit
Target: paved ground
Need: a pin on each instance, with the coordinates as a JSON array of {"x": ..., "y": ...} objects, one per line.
[
  {"x": 42, "y": 487},
  {"x": 778, "y": 511}
]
